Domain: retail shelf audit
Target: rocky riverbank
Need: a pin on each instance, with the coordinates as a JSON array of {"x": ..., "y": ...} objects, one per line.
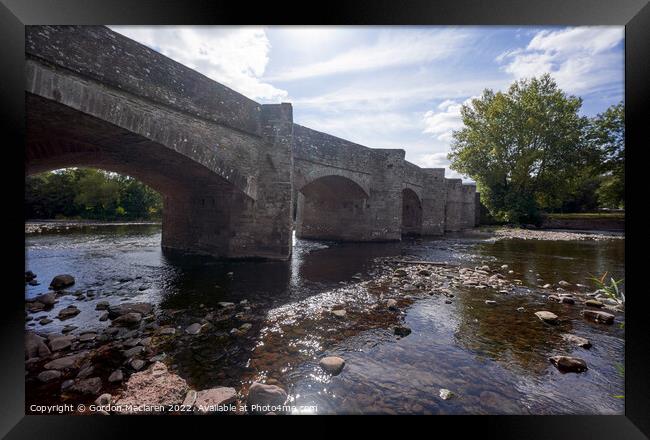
[
  {"x": 554, "y": 235},
  {"x": 48, "y": 226}
]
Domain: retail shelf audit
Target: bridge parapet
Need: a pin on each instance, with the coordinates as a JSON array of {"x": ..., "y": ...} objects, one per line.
[{"x": 98, "y": 53}]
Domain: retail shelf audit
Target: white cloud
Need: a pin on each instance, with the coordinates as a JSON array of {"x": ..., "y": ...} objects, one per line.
[
  {"x": 370, "y": 129},
  {"x": 384, "y": 95},
  {"x": 392, "y": 49},
  {"x": 581, "y": 59},
  {"x": 443, "y": 122},
  {"x": 234, "y": 56}
]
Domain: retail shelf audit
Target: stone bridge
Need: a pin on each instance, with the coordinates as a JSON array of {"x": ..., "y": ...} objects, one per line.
[{"x": 236, "y": 176}]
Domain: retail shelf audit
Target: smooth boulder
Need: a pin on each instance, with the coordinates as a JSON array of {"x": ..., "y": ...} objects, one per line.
[
  {"x": 143, "y": 309},
  {"x": 546, "y": 316},
  {"x": 598, "y": 316},
  {"x": 155, "y": 386},
  {"x": 262, "y": 398},
  {"x": 208, "y": 401},
  {"x": 568, "y": 364},
  {"x": 60, "y": 282},
  {"x": 332, "y": 364}
]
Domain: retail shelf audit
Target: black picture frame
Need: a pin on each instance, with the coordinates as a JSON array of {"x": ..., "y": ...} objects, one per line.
[{"x": 634, "y": 14}]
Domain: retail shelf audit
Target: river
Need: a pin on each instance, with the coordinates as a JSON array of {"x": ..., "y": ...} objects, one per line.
[{"x": 493, "y": 358}]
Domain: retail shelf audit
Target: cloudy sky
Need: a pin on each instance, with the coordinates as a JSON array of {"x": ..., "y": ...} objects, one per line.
[{"x": 394, "y": 87}]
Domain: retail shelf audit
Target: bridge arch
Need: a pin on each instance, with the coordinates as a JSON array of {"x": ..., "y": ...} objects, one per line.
[
  {"x": 200, "y": 207},
  {"x": 331, "y": 207},
  {"x": 411, "y": 213}
]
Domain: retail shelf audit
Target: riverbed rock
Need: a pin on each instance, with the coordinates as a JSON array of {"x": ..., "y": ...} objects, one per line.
[
  {"x": 66, "y": 362},
  {"x": 130, "y": 319},
  {"x": 125, "y": 308},
  {"x": 445, "y": 394},
  {"x": 490, "y": 302},
  {"x": 400, "y": 273},
  {"x": 167, "y": 331},
  {"x": 137, "y": 364},
  {"x": 47, "y": 299},
  {"x": 598, "y": 316},
  {"x": 226, "y": 305},
  {"x": 91, "y": 386},
  {"x": 49, "y": 375},
  {"x": 194, "y": 329},
  {"x": 68, "y": 328},
  {"x": 190, "y": 398},
  {"x": 262, "y": 398},
  {"x": 594, "y": 303},
  {"x": 29, "y": 276},
  {"x": 402, "y": 331},
  {"x": 60, "y": 282},
  {"x": 547, "y": 317},
  {"x": 391, "y": 304},
  {"x": 564, "y": 283},
  {"x": 35, "y": 306},
  {"x": 154, "y": 386},
  {"x": 87, "y": 337},
  {"x": 568, "y": 364},
  {"x": 116, "y": 376},
  {"x": 61, "y": 342},
  {"x": 86, "y": 372},
  {"x": 102, "y": 305},
  {"x": 208, "y": 401},
  {"x": 104, "y": 400},
  {"x": 546, "y": 286},
  {"x": 332, "y": 364},
  {"x": 131, "y": 352},
  {"x": 35, "y": 346},
  {"x": 576, "y": 340},
  {"x": 68, "y": 312},
  {"x": 340, "y": 313}
]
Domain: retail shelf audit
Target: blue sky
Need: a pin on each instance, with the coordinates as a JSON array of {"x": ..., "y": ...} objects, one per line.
[{"x": 397, "y": 86}]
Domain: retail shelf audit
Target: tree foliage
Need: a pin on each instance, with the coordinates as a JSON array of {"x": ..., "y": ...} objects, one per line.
[
  {"x": 607, "y": 131},
  {"x": 530, "y": 151},
  {"x": 89, "y": 194}
]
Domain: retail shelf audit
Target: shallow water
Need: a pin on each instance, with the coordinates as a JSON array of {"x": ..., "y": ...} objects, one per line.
[{"x": 493, "y": 358}]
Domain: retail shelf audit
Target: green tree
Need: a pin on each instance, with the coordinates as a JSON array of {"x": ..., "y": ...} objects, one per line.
[
  {"x": 607, "y": 132},
  {"x": 525, "y": 148},
  {"x": 89, "y": 194},
  {"x": 99, "y": 194}
]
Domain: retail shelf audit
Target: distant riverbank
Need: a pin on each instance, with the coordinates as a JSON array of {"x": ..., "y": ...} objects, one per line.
[
  {"x": 40, "y": 226},
  {"x": 501, "y": 233},
  {"x": 586, "y": 222}
]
